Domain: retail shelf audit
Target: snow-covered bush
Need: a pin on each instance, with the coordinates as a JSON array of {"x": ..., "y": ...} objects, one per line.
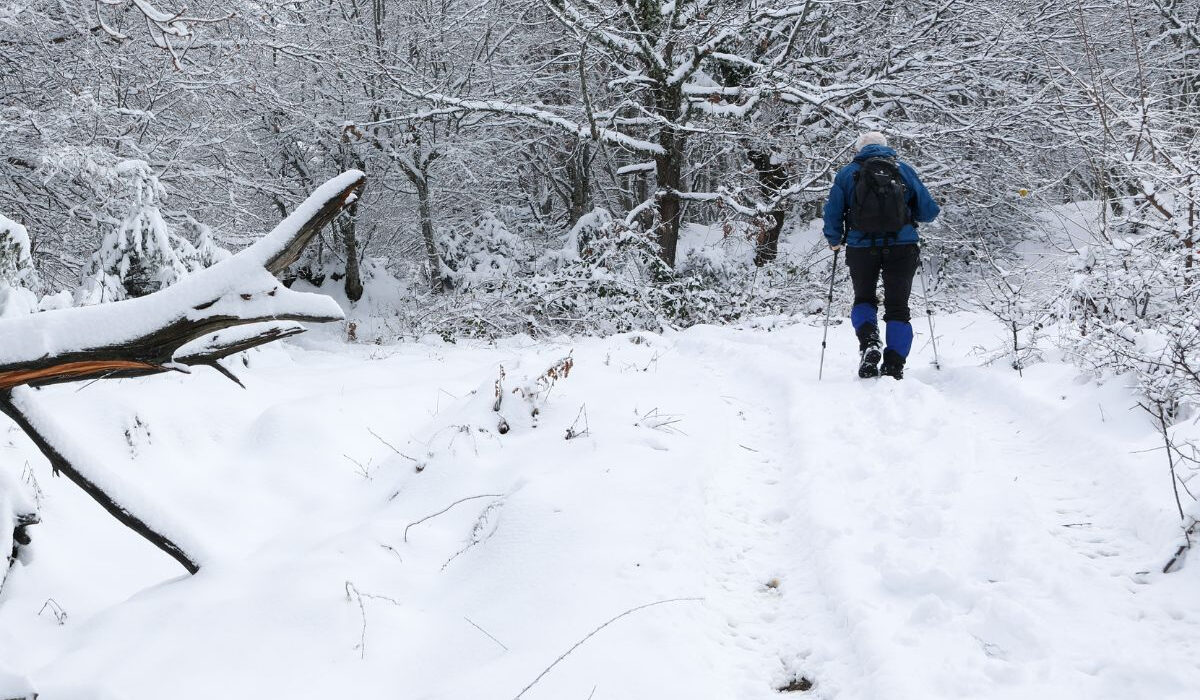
[
  {"x": 1135, "y": 308},
  {"x": 486, "y": 254},
  {"x": 143, "y": 253},
  {"x": 17, "y": 276},
  {"x": 604, "y": 277}
]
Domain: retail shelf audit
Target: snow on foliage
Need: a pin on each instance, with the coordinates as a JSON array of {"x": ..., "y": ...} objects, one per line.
[
  {"x": 605, "y": 276},
  {"x": 17, "y": 275},
  {"x": 485, "y": 254},
  {"x": 144, "y": 253},
  {"x": 1134, "y": 308}
]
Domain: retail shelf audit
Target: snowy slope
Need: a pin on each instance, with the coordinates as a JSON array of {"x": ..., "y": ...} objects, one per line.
[{"x": 963, "y": 534}]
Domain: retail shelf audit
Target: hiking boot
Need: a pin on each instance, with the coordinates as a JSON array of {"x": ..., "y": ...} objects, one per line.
[
  {"x": 869, "y": 352},
  {"x": 893, "y": 365},
  {"x": 869, "y": 365}
]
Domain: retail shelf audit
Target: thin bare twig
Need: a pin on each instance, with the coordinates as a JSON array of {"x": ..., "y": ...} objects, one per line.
[
  {"x": 489, "y": 634},
  {"x": 393, "y": 447},
  {"x": 593, "y": 633},
  {"x": 352, "y": 590},
  {"x": 574, "y": 431},
  {"x": 461, "y": 500}
]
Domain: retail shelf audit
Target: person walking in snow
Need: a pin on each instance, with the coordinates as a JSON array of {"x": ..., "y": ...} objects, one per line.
[{"x": 873, "y": 210}]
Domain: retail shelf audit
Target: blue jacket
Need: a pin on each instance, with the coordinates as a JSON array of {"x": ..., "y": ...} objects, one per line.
[{"x": 841, "y": 195}]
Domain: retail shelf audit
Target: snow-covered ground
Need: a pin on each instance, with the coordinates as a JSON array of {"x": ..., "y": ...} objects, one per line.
[{"x": 966, "y": 533}]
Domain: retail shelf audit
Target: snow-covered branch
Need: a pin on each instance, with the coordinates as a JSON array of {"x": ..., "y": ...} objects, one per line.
[{"x": 142, "y": 336}]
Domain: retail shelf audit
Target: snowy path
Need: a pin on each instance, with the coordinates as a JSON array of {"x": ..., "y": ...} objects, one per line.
[
  {"x": 970, "y": 544},
  {"x": 962, "y": 534}
]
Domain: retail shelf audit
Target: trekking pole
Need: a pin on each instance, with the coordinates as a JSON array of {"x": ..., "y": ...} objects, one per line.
[
  {"x": 929, "y": 315},
  {"x": 828, "y": 313}
]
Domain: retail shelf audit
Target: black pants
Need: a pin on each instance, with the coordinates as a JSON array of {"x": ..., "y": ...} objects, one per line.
[{"x": 897, "y": 264}]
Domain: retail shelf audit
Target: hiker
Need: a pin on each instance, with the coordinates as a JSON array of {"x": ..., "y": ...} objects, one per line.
[{"x": 873, "y": 210}]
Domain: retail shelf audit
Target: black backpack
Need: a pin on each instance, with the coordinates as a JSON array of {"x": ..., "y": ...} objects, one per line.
[{"x": 880, "y": 198}]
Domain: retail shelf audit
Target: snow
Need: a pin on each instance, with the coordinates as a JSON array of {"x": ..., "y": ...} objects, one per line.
[{"x": 964, "y": 533}]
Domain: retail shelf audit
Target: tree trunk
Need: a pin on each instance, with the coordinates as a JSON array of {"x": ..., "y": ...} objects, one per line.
[
  {"x": 772, "y": 177},
  {"x": 1189, "y": 241},
  {"x": 579, "y": 170},
  {"x": 436, "y": 281},
  {"x": 349, "y": 230},
  {"x": 668, "y": 168},
  {"x": 347, "y": 224}
]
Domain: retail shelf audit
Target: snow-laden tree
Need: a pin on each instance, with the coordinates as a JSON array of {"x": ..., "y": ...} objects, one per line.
[
  {"x": 18, "y": 279},
  {"x": 143, "y": 253}
]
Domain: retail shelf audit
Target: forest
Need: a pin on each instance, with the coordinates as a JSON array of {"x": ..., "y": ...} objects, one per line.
[{"x": 513, "y": 213}]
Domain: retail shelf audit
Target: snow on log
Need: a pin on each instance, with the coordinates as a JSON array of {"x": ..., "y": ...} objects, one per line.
[
  {"x": 142, "y": 336},
  {"x": 15, "y": 687}
]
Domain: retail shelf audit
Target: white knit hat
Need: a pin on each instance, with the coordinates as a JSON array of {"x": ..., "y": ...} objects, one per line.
[{"x": 870, "y": 137}]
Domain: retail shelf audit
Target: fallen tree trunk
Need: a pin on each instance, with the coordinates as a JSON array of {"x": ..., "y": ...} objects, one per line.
[{"x": 232, "y": 306}]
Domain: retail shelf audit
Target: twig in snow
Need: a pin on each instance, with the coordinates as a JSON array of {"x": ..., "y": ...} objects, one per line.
[
  {"x": 352, "y": 590},
  {"x": 437, "y": 406},
  {"x": 1176, "y": 561},
  {"x": 489, "y": 634},
  {"x": 1162, "y": 423},
  {"x": 362, "y": 636},
  {"x": 480, "y": 533},
  {"x": 656, "y": 420},
  {"x": 593, "y": 633},
  {"x": 392, "y": 549},
  {"x": 390, "y": 445},
  {"x": 60, "y": 615},
  {"x": 364, "y": 472},
  {"x": 35, "y": 488},
  {"x": 574, "y": 431},
  {"x": 461, "y": 500},
  {"x": 499, "y": 390}
]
